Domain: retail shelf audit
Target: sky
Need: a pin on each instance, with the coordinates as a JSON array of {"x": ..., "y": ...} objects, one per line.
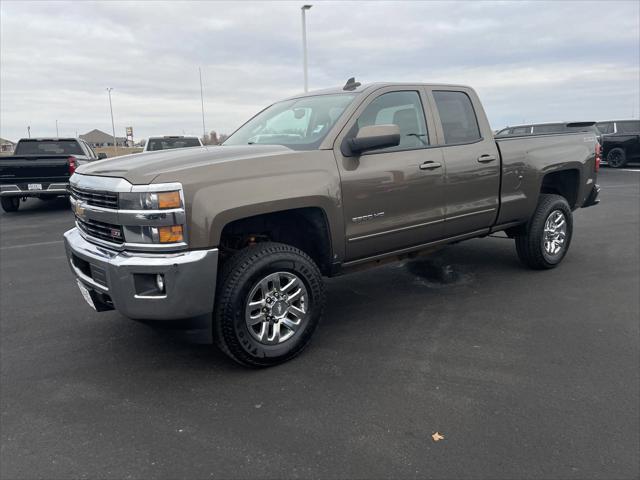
[{"x": 529, "y": 61}]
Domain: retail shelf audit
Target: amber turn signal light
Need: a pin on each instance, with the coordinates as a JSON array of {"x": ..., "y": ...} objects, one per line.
[
  {"x": 172, "y": 234},
  {"x": 169, "y": 200}
]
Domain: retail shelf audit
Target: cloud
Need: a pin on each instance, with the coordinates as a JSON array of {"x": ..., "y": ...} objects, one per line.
[{"x": 531, "y": 61}]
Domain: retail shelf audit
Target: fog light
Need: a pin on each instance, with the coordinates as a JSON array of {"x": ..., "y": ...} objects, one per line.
[
  {"x": 172, "y": 234},
  {"x": 160, "y": 282}
]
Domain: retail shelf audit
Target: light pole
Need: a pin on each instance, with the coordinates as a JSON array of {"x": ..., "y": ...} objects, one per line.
[
  {"x": 113, "y": 125},
  {"x": 204, "y": 131},
  {"x": 57, "y": 134},
  {"x": 304, "y": 9}
]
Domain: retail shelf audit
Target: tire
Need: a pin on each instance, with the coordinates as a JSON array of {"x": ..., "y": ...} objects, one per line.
[
  {"x": 552, "y": 220},
  {"x": 252, "y": 275},
  {"x": 617, "y": 158},
  {"x": 10, "y": 204}
]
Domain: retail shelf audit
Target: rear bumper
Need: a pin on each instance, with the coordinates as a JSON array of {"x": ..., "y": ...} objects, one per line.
[
  {"x": 593, "y": 198},
  {"x": 121, "y": 280},
  {"x": 58, "y": 188}
]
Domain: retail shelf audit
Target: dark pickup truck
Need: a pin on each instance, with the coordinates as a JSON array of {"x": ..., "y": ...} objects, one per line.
[
  {"x": 319, "y": 184},
  {"x": 41, "y": 167},
  {"x": 620, "y": 141}
]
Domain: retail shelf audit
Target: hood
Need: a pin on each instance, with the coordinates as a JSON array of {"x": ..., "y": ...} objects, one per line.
[{"x": 142, "y": 168}]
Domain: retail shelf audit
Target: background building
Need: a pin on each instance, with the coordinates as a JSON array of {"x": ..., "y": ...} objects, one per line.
[
  {"x": 6, "y": 145},
  {"x": 97, "y": 138}
]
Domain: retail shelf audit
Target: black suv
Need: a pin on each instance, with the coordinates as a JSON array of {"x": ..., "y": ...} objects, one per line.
[{"x": 620, "y": 141}]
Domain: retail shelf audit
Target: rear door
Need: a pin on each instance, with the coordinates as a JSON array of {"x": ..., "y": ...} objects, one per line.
[
  {"x": 471, "y": 158},
  {"x": 393, "y": 198}
]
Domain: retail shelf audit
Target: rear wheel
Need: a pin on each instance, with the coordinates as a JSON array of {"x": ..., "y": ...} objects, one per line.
[
  {"x": 548, "y": 234},
  {"x": 269, "y": 303},
  {"x": 10, "y": 204},
  {"x": 617, "y": 158}
]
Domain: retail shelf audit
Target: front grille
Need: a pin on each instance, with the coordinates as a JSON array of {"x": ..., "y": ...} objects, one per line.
[
  {"x": 101, "y": 230},
  {"x": 95, "y": 197}
]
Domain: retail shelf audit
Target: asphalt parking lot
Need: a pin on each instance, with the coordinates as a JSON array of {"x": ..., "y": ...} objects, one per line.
[{"x": 526, "y": 374}]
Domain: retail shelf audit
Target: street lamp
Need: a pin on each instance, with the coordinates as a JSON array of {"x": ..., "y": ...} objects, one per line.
[
  {"x": 304, "y": 9},
  {"x": 113, "y": 126}
]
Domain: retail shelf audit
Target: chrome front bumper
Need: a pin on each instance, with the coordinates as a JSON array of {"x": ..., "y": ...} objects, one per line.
[{"x": 117, "y": 279}]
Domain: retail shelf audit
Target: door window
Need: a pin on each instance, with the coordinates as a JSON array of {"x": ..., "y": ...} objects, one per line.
[
  {"x": 521, "y": 131},
  {"x": 629, "y": 127},
  {"x": 399, "y": 108},
  {"x": 458, "y": 118}
]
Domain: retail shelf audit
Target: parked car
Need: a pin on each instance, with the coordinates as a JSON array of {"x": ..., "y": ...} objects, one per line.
[
  {"x": 318, "y": 184},
  {"x": 620, "y": 141},
  {"x": 171, "y": 141},
  {"x": 41, "y": 167},
  {"x": 549, "y": 128}
]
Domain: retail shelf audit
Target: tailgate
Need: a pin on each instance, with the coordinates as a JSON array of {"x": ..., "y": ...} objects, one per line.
[{"x": 28, "y": 169}]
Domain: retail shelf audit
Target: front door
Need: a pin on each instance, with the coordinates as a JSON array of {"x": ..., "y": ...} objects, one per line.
[{"x": 393, "y": 198}]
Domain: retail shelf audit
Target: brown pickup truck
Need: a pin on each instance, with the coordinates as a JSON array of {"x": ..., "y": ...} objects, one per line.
[{"x": 315, "y": 185}]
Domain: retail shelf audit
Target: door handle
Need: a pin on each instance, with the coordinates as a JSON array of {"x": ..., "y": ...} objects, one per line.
[
  {"x": 430, "y": 165},
  {"x": 486, "y": 158}
]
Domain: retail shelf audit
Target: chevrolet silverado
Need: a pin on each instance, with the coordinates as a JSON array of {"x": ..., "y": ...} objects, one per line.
[{"x": 316, "y": 185}]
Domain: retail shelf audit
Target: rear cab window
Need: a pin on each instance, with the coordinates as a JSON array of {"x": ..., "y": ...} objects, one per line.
[
  {"x": 48, "y": 147},
  {"x": 457, "y": 116},
  {"x": 168, "y": 143}
]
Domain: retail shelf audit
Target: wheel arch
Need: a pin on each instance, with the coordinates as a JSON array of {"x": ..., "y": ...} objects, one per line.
[
  {"x": 307, "y": 227},
  {"x": 565, "y": 183}
]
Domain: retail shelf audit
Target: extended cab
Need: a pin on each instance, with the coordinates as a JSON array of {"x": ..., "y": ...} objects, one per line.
[
  {"x": 41, "y": 167},
  {"x": 316, "y": 185}
]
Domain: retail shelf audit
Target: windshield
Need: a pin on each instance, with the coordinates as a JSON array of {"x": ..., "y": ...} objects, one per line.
[
  {"x": 48, "y": 147},
  {"x": 167, "y": 143},
  {"x": 300, "y": 124}
]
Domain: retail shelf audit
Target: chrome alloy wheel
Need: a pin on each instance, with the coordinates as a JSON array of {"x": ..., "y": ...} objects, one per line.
[
  {"x": 276, "y": 308},
  {"x": 555, "y": 233}
]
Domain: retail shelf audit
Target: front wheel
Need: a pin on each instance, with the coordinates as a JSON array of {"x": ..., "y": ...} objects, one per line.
[
  {"x": 548, "y": 234},
  {"x": 269, "y": 303},
  {"x": 617, "y": 158},
  {"x": 10, "y": 204}
]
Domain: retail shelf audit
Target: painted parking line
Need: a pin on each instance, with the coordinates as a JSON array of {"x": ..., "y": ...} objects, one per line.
[
  {"x": 26, "y": 245},
  {"x": 630, "y": 169}
]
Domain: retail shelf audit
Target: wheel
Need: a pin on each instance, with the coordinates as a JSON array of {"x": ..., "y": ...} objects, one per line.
[
  {"x": 617, "y": 158},
  {"x": 10, "y": 204},
  {"x": 548, "y": 234},
  {"x": 269, "y": 302}
]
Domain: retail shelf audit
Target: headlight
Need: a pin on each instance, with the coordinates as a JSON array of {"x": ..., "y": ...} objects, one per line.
[{"x": 150, "y": 200}]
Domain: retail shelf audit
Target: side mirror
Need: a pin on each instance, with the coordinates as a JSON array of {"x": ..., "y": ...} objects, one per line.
[
  {"x": 373, "y": 137},
  {"x": 102, "y": 156}
]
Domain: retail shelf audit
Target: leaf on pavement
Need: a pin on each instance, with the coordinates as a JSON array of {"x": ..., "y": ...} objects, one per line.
[{"x": 437, "y": 437}]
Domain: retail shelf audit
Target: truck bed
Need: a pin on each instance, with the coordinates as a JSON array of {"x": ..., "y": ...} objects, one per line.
[{"x": 527, "y": 159}]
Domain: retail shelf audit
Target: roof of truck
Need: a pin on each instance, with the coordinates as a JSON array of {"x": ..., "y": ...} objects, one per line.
[{"x": 370, "y": 86}]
